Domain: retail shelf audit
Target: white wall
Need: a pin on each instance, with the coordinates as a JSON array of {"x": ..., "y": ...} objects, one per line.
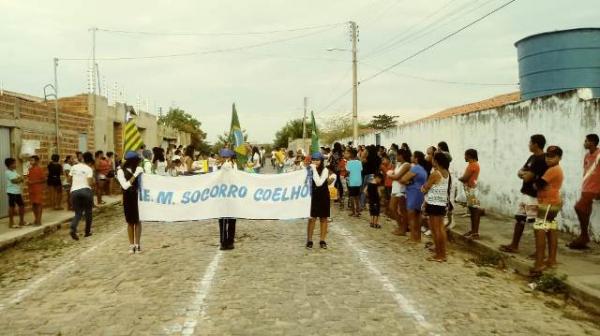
[{"x": 501, "y": 137}]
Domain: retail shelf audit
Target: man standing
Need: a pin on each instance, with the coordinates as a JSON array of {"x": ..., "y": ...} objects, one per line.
[
  {"x": 590, "y": 190},
  {"x": 534, "y": 168}
]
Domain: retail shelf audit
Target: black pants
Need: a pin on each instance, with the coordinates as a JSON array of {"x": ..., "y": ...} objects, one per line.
[
  {"x": 83, "y": 202},
  {"x": 227, "y": 230}
]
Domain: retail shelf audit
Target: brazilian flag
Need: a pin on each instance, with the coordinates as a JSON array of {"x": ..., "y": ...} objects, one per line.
[{"x": 236, "y": 138}]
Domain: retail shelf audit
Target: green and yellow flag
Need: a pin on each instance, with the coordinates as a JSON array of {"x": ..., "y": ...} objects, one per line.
[
  {"x": 236, "y": 138},
  {"x": 132, "y": 139},
  {"x": 314, "y": 135}
]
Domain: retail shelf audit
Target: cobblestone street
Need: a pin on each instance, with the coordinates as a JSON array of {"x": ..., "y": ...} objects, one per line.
[{"x": 368, "y": 282}]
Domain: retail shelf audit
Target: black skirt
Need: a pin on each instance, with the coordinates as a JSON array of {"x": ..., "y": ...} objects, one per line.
[
  {"x": 320, "y": 201},
  {"x": 130, "y": 205}
]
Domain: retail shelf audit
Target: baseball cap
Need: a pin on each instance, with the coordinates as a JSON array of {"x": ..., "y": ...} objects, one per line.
[
  {"x": 316, "y": 156},
  {"x": 131, "y": 155}
]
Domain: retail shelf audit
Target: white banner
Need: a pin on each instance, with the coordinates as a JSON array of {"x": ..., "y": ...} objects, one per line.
[{"x": 225, "y": 193}]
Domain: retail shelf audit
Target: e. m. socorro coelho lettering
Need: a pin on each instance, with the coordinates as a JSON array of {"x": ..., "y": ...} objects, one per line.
[{"x": 277, "y": 194}]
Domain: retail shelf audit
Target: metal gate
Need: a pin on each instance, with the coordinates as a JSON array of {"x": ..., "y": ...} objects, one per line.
[{"x": 4, "y": 153}]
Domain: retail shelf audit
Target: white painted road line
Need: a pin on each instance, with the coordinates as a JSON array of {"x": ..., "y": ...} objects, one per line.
[
  {"x": 31, "y": 287},
  {"x": 197, "y": 309},
  {"x": 404, "y": 303}
]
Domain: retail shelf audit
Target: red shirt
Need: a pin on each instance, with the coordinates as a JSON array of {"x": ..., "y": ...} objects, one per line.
[
  {"x": 591, "y": 173},
  {"x": 473, "y": 170},
  {"x": 384, "y": 169}
]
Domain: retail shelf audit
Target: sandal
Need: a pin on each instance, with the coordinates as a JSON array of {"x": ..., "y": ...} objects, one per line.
[
  {"x": 377, "y": 226},
  {"x": 508, "y": 249},
  {"x": 536, "y": 272},
  {"x": 577, "y": 245},
  {"x": 474, "y": 236},
  {"x": 467, "y": 234},
  {"x": 440, "y": 260},
  {"x": 309, "y": 244}
]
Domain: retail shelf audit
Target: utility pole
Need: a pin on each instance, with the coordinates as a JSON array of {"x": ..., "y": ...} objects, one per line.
[
  {"x": 354, "y": 28},
  {"x": 94, "y": 69},
  {"x": 304, "y": 124}
]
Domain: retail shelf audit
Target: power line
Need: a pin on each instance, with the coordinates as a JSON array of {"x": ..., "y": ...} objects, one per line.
[
  {"x": 345, "y": 93},
  {"x": 266, "y": 32},
  {"x": 386, "y": 44},
  {"x": 443, "y": 81},
  {"x": 206, "y": 52},
  {"x": 433, "y": 27},
  {"x": 437, "y": 42}
]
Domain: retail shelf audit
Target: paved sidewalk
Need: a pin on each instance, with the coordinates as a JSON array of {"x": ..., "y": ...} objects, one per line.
[
  {"x": 581, "y": 267},
  {"x": 51, "y": 221}
]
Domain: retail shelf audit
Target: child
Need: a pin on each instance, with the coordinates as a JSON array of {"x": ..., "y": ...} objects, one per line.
[
  {"x": 372, "y": 190},
  {"x": 469, "y": 180},
  {"x": 354, "y": 168},
  {"x": 35, "y": 183},
  {"x": 320, "y": 203},
  {"x": 13, "y": 190},
  {"x": 549, "y": 204}
]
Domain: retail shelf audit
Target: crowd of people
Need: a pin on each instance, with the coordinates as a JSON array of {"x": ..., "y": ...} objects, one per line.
[{"x": 414, "y": 188}]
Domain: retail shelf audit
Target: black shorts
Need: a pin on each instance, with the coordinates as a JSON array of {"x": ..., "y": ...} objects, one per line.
[
  {"x": 435, "y": 210},
  {"x": 354, "y": 191},
  {"x": 15, "y": 199}
]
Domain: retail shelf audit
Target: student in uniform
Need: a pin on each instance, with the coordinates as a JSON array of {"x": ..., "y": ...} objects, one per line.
[
  {"x": 320, "y": 200},
  {"x": 227, "y": 224},
  {"x": 127, "y": 175}
]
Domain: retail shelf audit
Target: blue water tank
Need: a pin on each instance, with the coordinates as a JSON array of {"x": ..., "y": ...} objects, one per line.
[{"x": 559, "y": 61}]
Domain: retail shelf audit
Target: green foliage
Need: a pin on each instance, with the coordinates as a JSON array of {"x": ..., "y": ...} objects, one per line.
[
  {"x": 551, "y": 283},
  {"x": 185, "y": 122},
  {"x": 338, "y": 128},
  {"x": 383, "y": 121},
  {"x": 292, "y": 130},
  {"x": 223, "y": 138}
]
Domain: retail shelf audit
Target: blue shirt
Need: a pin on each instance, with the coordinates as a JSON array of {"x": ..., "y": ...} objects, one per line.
[
  {"x": 419, "y": 179},
  {"x": 12, "y": 188},
  {"x": 354, "y": 168}
]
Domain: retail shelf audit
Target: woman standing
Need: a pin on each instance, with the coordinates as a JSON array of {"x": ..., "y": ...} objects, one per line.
[
  {"x": 414, "y": 179},
  {"x": 35, "y": 181},
  {"x": 227, "y": 224},
  {"x": 55, "y": 172},
  {"x": 398, "y": 208},
  {"x": 159, "y": 166},
  {"x": 320, "y": 200},
  {"x": 255, "y": 160},
  {"x": 127, "y": 175},
  {"x": 437, "y": 189},
  {"x": 67, "y": 165}
]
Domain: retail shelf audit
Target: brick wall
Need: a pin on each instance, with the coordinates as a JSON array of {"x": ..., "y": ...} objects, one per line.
[{"x": 35, "y": 120}]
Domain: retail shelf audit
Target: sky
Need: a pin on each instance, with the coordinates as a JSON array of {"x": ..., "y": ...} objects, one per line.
[{"x": 253, "y": 54}]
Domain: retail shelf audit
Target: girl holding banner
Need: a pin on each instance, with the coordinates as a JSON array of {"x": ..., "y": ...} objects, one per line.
[
  {"x": 320, "y": 200},
  {"x": 227, "y": 224},
  {"x": 127, "y": 175}
]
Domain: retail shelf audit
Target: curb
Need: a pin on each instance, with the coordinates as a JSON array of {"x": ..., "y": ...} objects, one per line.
[
  {"x": 45, "y": 229},
  {"x": 580, "y": 294}
]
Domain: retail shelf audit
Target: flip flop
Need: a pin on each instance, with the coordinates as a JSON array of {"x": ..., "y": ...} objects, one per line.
[{"x": 436, "y": 259}]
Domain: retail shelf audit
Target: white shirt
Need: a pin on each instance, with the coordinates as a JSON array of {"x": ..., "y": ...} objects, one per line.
[
  {"x": 121, "y": 177},
  {"x": 256, "y": 160},
  {"x": 319, "y": 180},
  {"x": 80, "y": 174},
  {"x": 397, "y": 187}
]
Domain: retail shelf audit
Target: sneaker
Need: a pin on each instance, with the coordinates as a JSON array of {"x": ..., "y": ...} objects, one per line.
[
  {"x": 89, "y": 234},
  {"x": 131, "y": 249},
  {"x": 323, "y": 244}
]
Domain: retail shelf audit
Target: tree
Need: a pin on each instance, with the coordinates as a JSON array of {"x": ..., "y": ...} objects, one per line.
[
  {"x": 383, "y": 121},
  {"x": 338, "y": 128},
  {"x": 223, "y": 138},
  {"x": 291, "y": 130},
  {"x": 185, "y": 122}
]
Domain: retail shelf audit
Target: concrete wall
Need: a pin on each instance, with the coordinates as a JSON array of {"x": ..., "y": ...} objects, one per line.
[{"x": 501, "y": 137}]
